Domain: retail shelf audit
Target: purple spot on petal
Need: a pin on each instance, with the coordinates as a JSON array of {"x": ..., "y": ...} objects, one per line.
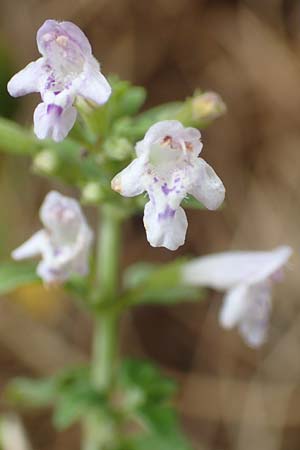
[
  {"x": 56, "y": 109},
  {"x": 168, "y": 213},
  {"x": 166, "y": 190},
  {"x": 177, "y": 180},
  {"x": 155, "y": 179}
]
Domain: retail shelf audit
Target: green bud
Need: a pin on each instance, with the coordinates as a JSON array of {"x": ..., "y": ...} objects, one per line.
[
  {"x": 133, "y": 100},
  {"x": 46, "y": 162},
  {"x": 207, "y": 106},
  {"x": 92, "y": 193},
  {"x": 118, "y": 148}
]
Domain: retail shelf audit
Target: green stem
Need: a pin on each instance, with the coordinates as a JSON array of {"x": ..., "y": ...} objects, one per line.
[
  {"x": 104, "y": 351},
  {"x": 105, "y": 334}
]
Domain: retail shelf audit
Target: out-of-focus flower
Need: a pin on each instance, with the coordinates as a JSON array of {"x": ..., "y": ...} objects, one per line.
[
  {"x": 92, "y": 193},
  {"x": 247, "y": 277},
  {"x": 207, "y": 106},
  {"x": 167, "y": 167},
  {"x": 12, "y": 434},
  {"x": 66, "y": 69},
  {"x": 46, "y": 162},
  {"x": 63, "y": 244}
]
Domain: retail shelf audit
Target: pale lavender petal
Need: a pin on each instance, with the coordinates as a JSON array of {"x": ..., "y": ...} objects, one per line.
[
  {"x": 158, "y": 131},
  {"x": 225, "y": 270},
  {"x": 129, "y": 182},
  {"x": 95, "y": 87},
  {"x": 52, "y": 121},
  {"x": 272, "y": 263},
  {"x": 34, "y": 246},
  {"x": 234, "y": 306},
  {"x": 208, "y": 187},
  {"x": 52, "y": 29},
  {"x": 255, "y": 323},
  {"x": 166, "y": 228},
  {"x": 51, "y": 275},
  {"x": 27, "y": 80}
]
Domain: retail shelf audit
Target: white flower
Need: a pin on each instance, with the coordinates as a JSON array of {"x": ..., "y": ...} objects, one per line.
[
  {"x": 12, "y": 433},
  {"x": 247, "y": 277},
  {"x": 66, "y": 69},
  {"x": 167, "y": 167},
  {"x": 63, "y": 244}
]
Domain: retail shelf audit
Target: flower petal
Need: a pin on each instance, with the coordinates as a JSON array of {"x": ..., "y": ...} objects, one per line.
[
  {"x": 225, "y": 270},
  {"x": 52, "y": 29},
  {"x": 270, "y": 263},
  {"x": 51, "y": 121},
  {"x": 49, "y": 274},
  {"x": 95, "y": 87},
  {"x": 158, "y": 131},
  {"x": 208, "y": 187},
  {"x": 254, "y": 325},
  {"x": 34, "y": 246},
  {"x": 129, "y": 182},
  {"x": 234, "y": 306},
  {"x": 165, "y": 229},
  {"x": 27, "y": 80}
]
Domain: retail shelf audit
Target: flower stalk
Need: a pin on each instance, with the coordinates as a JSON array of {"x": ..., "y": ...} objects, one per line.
[{"x": 105, "y": 344}]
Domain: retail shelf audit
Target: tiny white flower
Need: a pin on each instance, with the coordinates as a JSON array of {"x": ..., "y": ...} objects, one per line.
[
  {"x": 64, "y": 244},
  {"x": 247, "y": 278},
  {"x": 12, "y": 434},
  {"x": 167, "y": 167},
  {"x": 66, "y": 69}
]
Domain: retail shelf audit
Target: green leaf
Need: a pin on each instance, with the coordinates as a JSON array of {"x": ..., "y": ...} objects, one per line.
[
  {"x": 78, "y": 286},
  {"x": 76, "y": 402},
  {"x": 15, "y": 139},
  {"x": 69, "y": 392},
  {"x": 145, "y": 377},
  {"x": 76, "y": 397},
  {"x": 125, "y": 100},
  {"x": 15, "y": 275},
  {"x": 32, "y": 393},
  {"x": 153, "y": 409},
  {"x": 165, "y": 433}
]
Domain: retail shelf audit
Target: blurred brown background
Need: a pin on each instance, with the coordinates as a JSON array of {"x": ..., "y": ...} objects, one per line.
[{"x": 232, "y": 397}]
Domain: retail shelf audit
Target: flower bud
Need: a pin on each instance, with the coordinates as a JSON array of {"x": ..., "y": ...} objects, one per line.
[
  {"x": 118, "y": 148},
  {"x": 46, "y": 162},
  {"x": 92, "y": 193},
  {"x": 207, "y": 106}
]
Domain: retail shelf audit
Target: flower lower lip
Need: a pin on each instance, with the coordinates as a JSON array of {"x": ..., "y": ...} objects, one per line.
[{"x": 56, "y": 109}]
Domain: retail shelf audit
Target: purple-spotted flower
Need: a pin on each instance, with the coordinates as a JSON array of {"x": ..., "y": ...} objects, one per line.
[
  {"x": 167, "y": 167},
  {"x": 67, "y": 69},
  {"x": 247, "y": 278},
  {"x": 64, "y": 242}
]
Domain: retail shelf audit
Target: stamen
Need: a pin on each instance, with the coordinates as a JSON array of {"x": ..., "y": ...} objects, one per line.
[
  {"x": 62, "y": 40},
  {"x": 189, "y": 146},
  {"x": 167, "y": 140}
]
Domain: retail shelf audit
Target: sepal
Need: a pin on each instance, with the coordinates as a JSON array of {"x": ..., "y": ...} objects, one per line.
[{"x": 149, "y": 283}]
